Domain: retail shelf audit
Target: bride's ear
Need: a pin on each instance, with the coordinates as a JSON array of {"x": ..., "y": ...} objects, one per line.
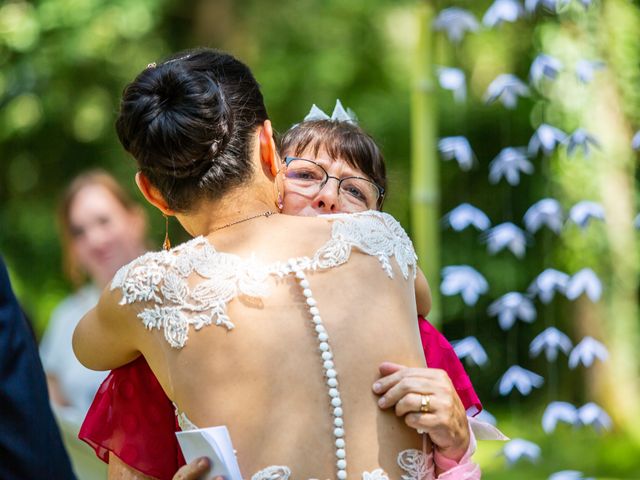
[
  {"x": 152, "y": 194},
  {"x": 268, "y": 151}
]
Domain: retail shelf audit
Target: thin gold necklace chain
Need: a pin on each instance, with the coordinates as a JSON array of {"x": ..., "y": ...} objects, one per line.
[{"x": 266, "y": 214}]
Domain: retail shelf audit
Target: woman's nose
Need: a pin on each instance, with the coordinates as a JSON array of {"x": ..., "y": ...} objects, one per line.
[{"x": 327, "y": 199}]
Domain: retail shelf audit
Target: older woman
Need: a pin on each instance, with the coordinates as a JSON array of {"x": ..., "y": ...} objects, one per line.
[{"x": 199, "y": 131}]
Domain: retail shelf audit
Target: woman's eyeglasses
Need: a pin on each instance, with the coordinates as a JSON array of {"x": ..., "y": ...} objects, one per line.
[{"x": 307, "y": 178}]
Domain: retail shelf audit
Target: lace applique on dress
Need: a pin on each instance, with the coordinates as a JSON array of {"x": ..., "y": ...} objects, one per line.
[
  {"x": 273, "y": 473},
  {"x": 418, "y": 465},
  {"x": 160, "y": 278}
]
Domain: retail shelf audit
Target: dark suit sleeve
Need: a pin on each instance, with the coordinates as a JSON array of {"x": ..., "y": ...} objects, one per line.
[{"x": 30, "y": 443}]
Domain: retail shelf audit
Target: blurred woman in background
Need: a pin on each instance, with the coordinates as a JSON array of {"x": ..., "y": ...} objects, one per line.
[{"x": 101, "y": 228}]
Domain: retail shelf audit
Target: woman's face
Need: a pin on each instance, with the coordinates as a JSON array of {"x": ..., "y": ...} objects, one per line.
[
  {"x": 104, "y": 234},
  {"x": 304, "y": 192}
]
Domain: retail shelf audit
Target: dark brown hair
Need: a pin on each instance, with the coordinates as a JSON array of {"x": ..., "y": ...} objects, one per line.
[
  {"x": 340, "y": 140},
  {"x": 189, "y": 122}
]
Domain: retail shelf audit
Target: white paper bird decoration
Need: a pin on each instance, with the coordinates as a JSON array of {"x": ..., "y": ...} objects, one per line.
[
  {"x": 587, "y": 282},
  {"x": 453, "y": 79},
  {"x": 506, "y": 235},
  {"x": 586, "y": 352},
  {"x": 585, "y": 69},
  {"x": 456, "y": 22},
  {"x": 550, "y": 341},
  {"x": 548, "y": 283},
  {"x": 507, "y": 88},
  {"x": 465, "y": 215},
  {"x": 463, "y": 280},
  {"x": 470, "y": 348},
  {"x": 580, "y": 138},
  {"x": 545, "y": 139},
  {"x": 546, "y": 212},
  {"x": 509, "y": 164},
  {"x": 583, "y": 212},
  {"x": 559, "y": 412},
  {"x": 458, "y": 149},
  {"x": 502, "y": 11},
  {"x": 518, "y": 449},
  {"x": 519, "y": 378},
  {"x": 511, "y": 307}
]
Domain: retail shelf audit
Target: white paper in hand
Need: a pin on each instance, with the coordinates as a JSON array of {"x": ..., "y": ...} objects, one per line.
[{"x": 215, "y": 443}]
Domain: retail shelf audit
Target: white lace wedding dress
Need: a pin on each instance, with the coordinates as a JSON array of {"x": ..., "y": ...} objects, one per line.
[{"x": 160, "y": 280}]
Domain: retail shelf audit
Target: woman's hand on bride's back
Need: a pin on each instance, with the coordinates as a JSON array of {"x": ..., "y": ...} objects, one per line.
[{"x": 428, "y": 401}]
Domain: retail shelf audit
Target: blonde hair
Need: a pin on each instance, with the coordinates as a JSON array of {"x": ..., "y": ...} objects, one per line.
[{"x": 72, "y": 270}]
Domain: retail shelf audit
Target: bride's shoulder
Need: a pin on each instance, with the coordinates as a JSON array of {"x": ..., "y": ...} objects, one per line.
[
  {"x": 139, "y": 279},
  {"x": 374, "y": 233},
  {"x": 371, "y": 219}
]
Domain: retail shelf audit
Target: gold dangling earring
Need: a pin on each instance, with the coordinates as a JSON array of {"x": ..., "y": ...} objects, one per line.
[
  {"x": 279, "y": 200},
  {"x": 166, "y": 245}
]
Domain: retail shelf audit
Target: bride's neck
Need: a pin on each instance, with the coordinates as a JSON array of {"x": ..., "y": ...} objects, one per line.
[{"x": 241, "y": 203}]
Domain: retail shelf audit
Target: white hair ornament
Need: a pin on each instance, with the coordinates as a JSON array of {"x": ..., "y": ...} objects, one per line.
[{"x": 340, "y": 114}]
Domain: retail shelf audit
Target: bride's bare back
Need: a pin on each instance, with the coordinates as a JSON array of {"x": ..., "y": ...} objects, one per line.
[{"x": 266, "y": 370}]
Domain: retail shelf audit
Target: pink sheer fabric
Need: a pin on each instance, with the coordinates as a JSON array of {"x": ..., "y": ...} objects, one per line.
[
  {"x": 132, "y": 417},
  {"x": 464, "y": 469}
]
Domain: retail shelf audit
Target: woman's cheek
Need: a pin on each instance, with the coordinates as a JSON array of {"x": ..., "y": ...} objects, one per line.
[{"x": 294, "y": 204}]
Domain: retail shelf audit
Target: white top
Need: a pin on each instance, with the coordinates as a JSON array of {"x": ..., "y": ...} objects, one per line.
[
  {"x": 160, "y": 280},
  {"x": 77, "y": 383}
]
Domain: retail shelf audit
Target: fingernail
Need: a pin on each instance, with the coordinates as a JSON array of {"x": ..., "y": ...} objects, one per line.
[
  {"x": 203, "y": 462},
  {"x": 381, "y": 402},
  {"x": 377, "y": 387}
]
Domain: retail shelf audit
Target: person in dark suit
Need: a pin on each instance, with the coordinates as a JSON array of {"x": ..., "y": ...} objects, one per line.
[{"x": 30, "y": 443}]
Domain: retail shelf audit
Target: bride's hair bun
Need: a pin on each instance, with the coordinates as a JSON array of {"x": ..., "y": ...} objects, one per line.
[{"x": 188, "y": 122}]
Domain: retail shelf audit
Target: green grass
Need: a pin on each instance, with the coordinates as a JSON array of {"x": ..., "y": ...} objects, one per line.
[{"x": 611, "y": 455}]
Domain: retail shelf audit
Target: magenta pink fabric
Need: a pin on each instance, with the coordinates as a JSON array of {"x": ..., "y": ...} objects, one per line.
[
  {"x": 132, "y": 417},
  {"x": 439, "y": 353}
]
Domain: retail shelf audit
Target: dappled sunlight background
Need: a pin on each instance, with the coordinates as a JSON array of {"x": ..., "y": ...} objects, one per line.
[{"x": 64, "y": 64}]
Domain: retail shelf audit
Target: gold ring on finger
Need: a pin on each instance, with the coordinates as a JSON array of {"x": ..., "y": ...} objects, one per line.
[{"x": 425, "y": 402}]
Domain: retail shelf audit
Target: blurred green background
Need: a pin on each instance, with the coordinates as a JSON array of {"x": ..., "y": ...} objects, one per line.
[{"x": 65, "y": 62}]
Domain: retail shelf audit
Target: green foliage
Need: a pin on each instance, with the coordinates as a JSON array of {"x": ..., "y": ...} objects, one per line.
[{"x": 63, "y": 64}]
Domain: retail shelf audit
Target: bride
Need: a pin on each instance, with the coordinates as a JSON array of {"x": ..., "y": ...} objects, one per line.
[{"x": 263, "y": 322}]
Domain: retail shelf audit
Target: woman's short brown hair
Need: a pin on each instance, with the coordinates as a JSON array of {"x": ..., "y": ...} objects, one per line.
[{"x": 340, "y": 140}]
